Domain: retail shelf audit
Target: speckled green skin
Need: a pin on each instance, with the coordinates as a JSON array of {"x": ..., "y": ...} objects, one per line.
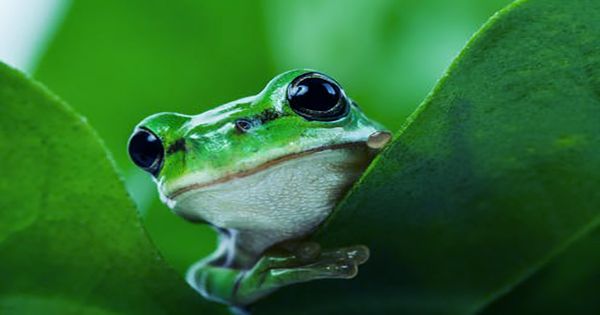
[{"x": 208, "y": 148}]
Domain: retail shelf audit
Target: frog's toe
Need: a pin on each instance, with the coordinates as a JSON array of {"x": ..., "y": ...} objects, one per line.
[
  {"x": 319, "y": 270},
  {"x": 357, "y": 254},
  {"x": 269, "y": 262},
  {"x": 345, "y": 270}
]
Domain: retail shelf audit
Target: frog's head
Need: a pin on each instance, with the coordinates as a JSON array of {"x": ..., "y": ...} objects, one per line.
[{"x": 295, "y": 145}]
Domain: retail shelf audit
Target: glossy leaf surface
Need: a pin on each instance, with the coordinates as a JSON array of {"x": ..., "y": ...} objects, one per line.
[{"x": 70, "y": 238}]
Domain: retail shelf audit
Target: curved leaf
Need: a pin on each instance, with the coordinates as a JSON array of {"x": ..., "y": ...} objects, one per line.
[
  {"x": 495, "y": 174},
  {"x": 70, "y": 238}
]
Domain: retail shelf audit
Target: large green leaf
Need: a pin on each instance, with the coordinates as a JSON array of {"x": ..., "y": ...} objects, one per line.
[
  {"x": 494, "y": 175},
  {"x": 570, "y": 284},
  {"x": 70, "y": 238}
]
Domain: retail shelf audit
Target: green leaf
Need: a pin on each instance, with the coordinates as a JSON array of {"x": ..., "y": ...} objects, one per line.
[
  {"x": 493, "y": 176},
  {"x": 70, "y": 238},
  {"x": 568, "y": 285}
]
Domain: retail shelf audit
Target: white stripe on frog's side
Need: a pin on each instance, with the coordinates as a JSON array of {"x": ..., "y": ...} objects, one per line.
[{"x": 285, "y": 201}]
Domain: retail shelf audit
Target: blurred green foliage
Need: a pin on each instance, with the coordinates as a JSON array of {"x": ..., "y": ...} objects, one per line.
[{"x": 117, "y": 62}]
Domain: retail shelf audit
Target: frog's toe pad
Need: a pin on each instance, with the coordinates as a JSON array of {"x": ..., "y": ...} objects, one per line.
[
  {"x": 319, "y": 270},
  {"x": 347, "y": 270},
  {"x": 358, "y": 254}
]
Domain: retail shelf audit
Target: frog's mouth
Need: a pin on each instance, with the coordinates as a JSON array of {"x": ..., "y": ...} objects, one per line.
[{"x": 362, "y": 145}]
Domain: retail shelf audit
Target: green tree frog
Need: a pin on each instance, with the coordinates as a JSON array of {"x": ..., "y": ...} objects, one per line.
[{"x": 266, "y": 171}]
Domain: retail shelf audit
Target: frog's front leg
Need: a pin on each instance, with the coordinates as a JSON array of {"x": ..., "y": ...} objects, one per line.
[{"x": 241, "y": 287}]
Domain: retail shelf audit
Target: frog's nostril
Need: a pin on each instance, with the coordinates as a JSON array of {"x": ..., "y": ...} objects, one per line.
[{"x": 146, "y": 151}]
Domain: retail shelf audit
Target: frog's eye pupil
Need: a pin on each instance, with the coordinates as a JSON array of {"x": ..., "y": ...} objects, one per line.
[
  {"x": 316, "y": 97},
  {"x": 243, "y": 125},
  {"x": 315, "y": 94},
  {"x": 146, "y": 151}
]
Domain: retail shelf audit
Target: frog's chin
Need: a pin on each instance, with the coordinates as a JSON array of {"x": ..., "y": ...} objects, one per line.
[{"x": 286, "y": 197}]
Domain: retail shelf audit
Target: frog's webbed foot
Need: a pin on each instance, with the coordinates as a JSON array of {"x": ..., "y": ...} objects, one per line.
[
  {"x": 340, "y": 263},
  {"x": 300, "y": 263},
  {"x": 306, "y": 263}
]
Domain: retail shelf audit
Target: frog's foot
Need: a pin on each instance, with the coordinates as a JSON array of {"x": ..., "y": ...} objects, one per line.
[
  {"x": 276, "y": 271},
  {"x": 341, "y": 263}
]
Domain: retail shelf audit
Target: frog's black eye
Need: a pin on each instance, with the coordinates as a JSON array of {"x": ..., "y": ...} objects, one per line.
[
  {"x": 315, "y": 96},
  {"x": 146, "y": 151}
]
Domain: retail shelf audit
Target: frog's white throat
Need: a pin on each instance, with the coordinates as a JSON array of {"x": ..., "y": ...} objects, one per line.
[{"x": 285, "y": 201}]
